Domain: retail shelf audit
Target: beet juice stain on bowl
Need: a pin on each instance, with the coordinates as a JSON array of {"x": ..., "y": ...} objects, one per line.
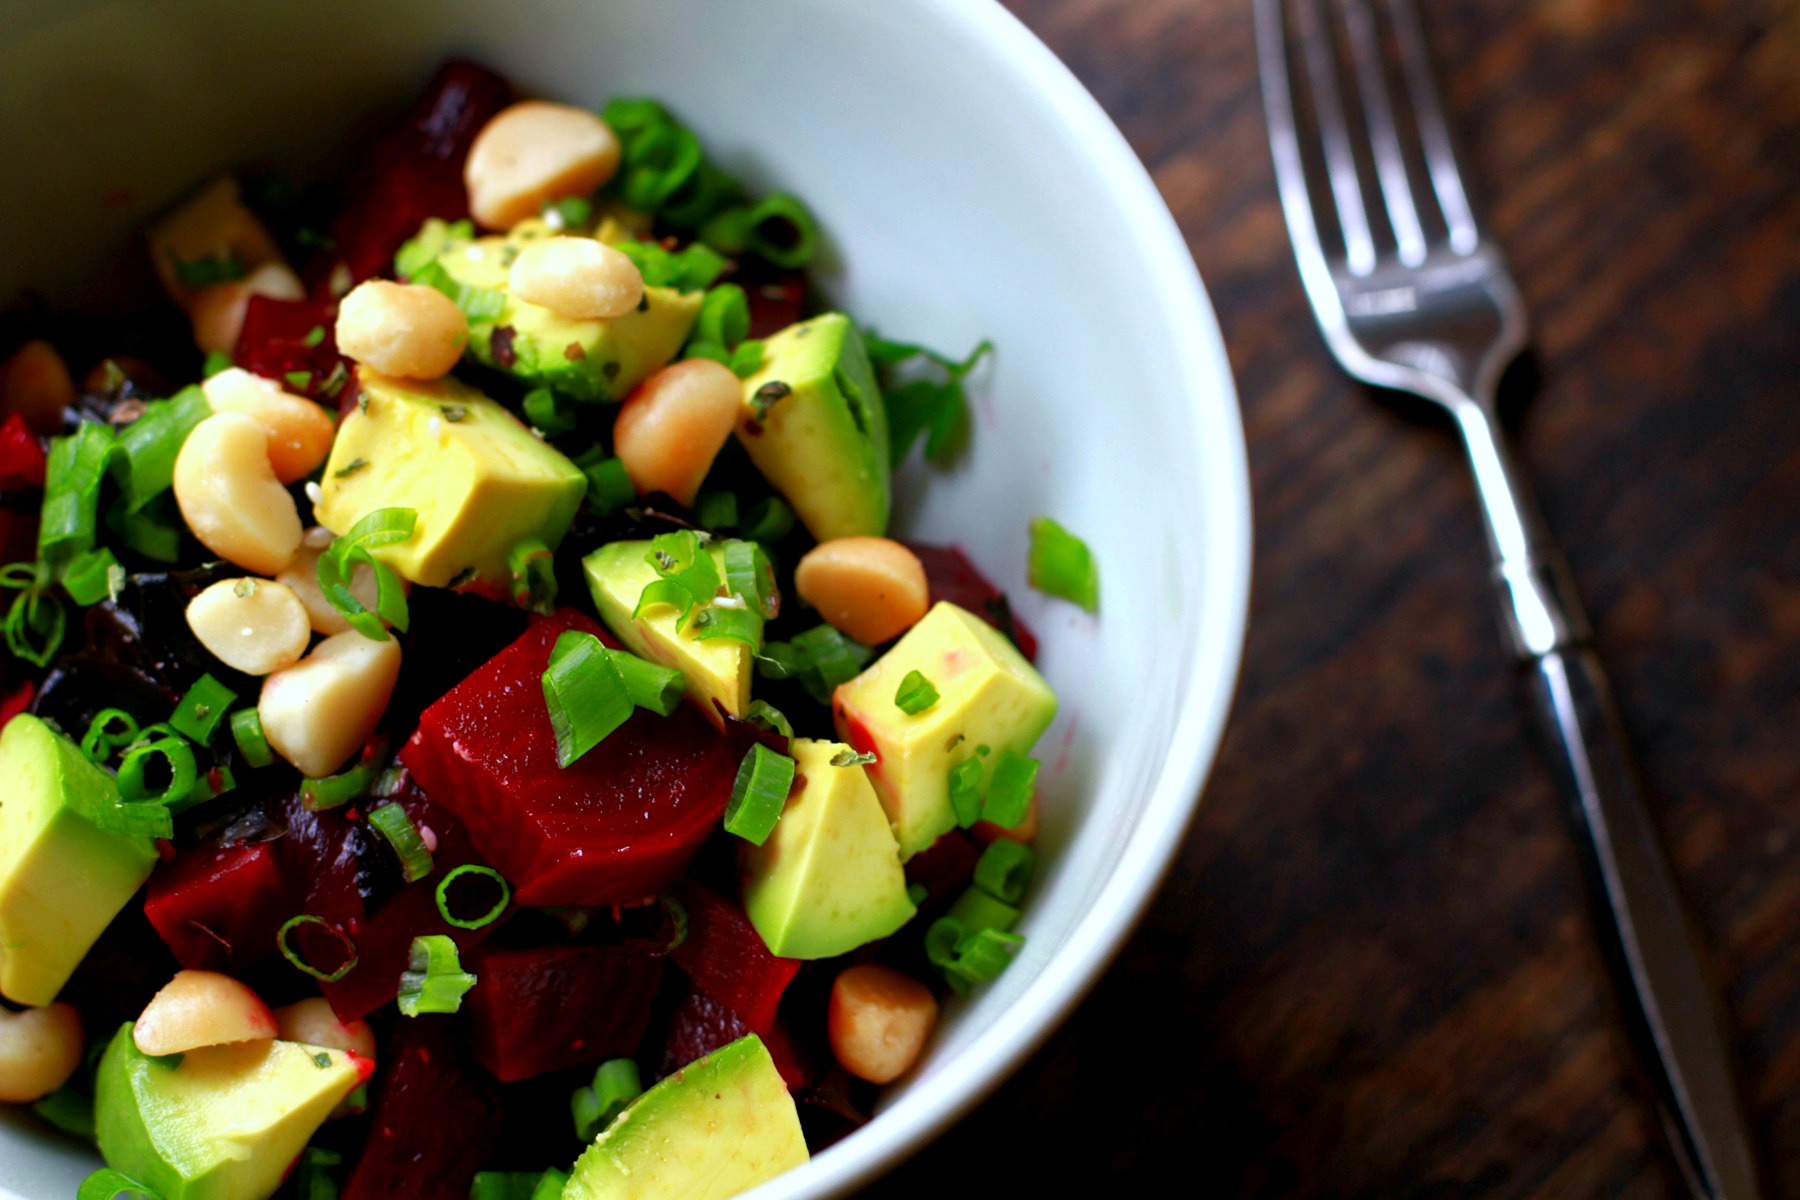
[{"x": 413, "y": 908}]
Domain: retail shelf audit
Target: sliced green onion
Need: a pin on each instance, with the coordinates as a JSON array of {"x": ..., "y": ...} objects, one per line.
[
  {"x": 222, "y": 267},
  {"x": 550, "y": 1184},
  {"x": 629, "y": 115},
  {"x": 704, "y": 193},
  {"x": 616, "y": 1084},
  {"x": 965, "y": 791},
  {"x": 761, "y": 712},
  {"x": 735, "y": 624},
  {"x": 208, "y": 785},
  {"x": 690, "y": 269},
  {"x": 609, "y": 484},
  {"x": 247, "y": 732},
  {"x": 69, "y": 519},
  {"x": 657, "y": 162},
  {"x": 769, "y": 520},
  {"x": 147, "y": 532},
  {"x": 650, "y": 685},
  {"x": 941, "y": 940},
  {"x": 724, "y": 318},
  {"x": 533, "y": 570},
  {"x": 293, "y": 956},
  {"x": 747, "y": 358},
  {"x": 68, "y": 1110},
  {"x": 382, "y": 527},
  {"x": 486, "y": 918},
  {"x": 547, "y": 411},
  {"x": 108, "y": 1184},
  {"x": 976, "y": 910},
  {"x": 313, "y": 337},
  {"x": 758, "y": 794},
  {"x": 434, "y": 981},
  {"x": 201, "y": 710},
  {"x": 177, "y": 755},
  {"x": 93, "y": 576},
  {"x": 1060, "y": 564},
  {"x": 102, "y": 739},
  {"x": 35, "y": 624},
  {"x": 679, "y": 558},
  {"x": 665, "y": 591},
  {"x": 503, "y": 1185},
  {"x": 779, "y": 228},
  {"x": 216, "y": 361},
  {"x": 147, "y": 448},
  {"x": 312, "y": 1175},
  {"x": 917, "y": 894},
  {"x": 335, "y": 791},
  {"x": 1004, "y": 870},
  {"x": 585, "y": 693},
  {"x": 852, "y": 758},
  {"x": 1009, "y": 789},
  {"x": 391, "y": 821},
  {"x": 574, "y": 212},
  {"x": 821, "y": 658},
  {"x": 716, "y": 510},
  {"x": 980, "y": 957},
  {"x": 434, "y": 237},
  {"x": 298, "y": 380},
  {"x": 750, "y": 576},
  {"x": 479, "y": 304},
  {"x": 916, "y": 694}
]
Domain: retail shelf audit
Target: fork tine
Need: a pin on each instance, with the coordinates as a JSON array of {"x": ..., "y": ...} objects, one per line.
[
  {"x": 1434, "y": 135},
  {"x": 1314, "y": 35},
  {"x": 1384, "y": 137}
]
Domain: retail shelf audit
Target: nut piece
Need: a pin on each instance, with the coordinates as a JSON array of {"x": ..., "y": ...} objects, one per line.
[
  {"x": 673, "y": 425},
  {"x": 879, "y": 1021},
  {"x": 321, "y": 710},
  {"x": 251, "y": 625},
  {"x": 302, "y": 576},
  {"x": 201, "y": 1008},
  {"x": 403, "y": 329},
  {"x": 39, "y": 1050},
  {"x": 312, "y": 1021},
  {"x": 230, "y": 498},
  {"x": 577, "y": 277},
  {"x": 212, "y": 225},
  {"x": 535, "y": 152},
  {"x": 300, "y": 432},
  {"x": 35, "y": 383},
  {"x": 217, "y": 311},
  {"x": 870, "y": 588}
]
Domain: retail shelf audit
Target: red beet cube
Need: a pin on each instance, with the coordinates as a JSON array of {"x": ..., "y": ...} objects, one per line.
[
  {"x": 434, "y": 1120},
  {"x": 21, "y": 456},
  {"x": 218, "y": 908},
  {"x": 725, "y": 957},
  {"x": 294, "y": 343},
  {"x": 701, "y": 1025},
  {"x": 949, "y": 575},
  {"x": 618, "y": 826},
  {"x": 546, "y": 1007}
]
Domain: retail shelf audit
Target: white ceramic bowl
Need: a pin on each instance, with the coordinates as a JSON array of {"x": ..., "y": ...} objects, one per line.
[{"x": 969, "y": 187}]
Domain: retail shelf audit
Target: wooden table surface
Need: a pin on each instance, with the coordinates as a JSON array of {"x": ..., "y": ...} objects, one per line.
[{"x": 1372, "y": 971}]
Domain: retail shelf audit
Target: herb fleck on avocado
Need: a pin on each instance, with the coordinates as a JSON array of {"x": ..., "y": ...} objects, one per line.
[{"x": 767, "y": 396}]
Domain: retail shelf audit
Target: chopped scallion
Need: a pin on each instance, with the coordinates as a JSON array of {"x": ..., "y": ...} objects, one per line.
[
  {"x": 609, "y": 483},
  {"x": 965, "y": 791},
  {"x": 293, "y": 956},
  {"x": 1060, "y": 564},
  {"x": 761, "y": 712},
  {"x": 313, "y": 337},
  {"x": 736, "y": 624},
  {"x": 68, "y": 1110},
  {"x": 758, "y": 794},
  {"x": 616, "y": 1084},
  {"x": 434, "y": 981},
  {"x": 650, "y": 685},
  {"x": 915, "y": 694},
  {"x": 533, "y": 570},
  {"x": 178, "y": 760},
  {"x": 585, "y": 693},
  {"x": 110, "y": 730},
  {"x": 93, "y": 576},
  {"x": 70, "y": 516},
  {"x": 202, "y": 709},
  {"x": 769, "y": 520},
  {"x": 391, "y": 821},
  {"x": 1009, "y": 789},
  {"x": 724, "y": 318},
  {"x": 850, "y": 758},
  {"x": 108, "y": 1184},
  {"x": 247, "y": 732},
  {"x": 716, "y": 510},
  {"x": 750, "y": 576},
  {"x": 486, "y": 918},
  {"x": 1004, "y": 869},
  {"x": 338, "y": 564},
  {"x": 147, "y": 448},
  {"x": 547, "y": 411},
  {"x": 335, "y": 791}
]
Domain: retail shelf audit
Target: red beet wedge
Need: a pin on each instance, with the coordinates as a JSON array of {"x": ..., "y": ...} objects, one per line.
[
  {"x": 434, "y": 1121},
  {"x": 701, "y": 1025},
  {"x": 949, "y": 575},
  {"x": 725, "y": 957},
  {"x": 218, "y": 908},
  {"x": 538, "y": 1009},
  {"x": 617, "y": 826}
]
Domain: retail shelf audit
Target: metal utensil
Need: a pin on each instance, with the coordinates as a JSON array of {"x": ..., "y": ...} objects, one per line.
[{"x": 1417, "y": 298}]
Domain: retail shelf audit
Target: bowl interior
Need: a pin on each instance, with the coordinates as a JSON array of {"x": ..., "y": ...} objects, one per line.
[{"x": 968, "y": 188}]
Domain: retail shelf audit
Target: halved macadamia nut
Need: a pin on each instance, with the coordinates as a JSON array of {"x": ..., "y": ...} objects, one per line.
[
  {"x": 533, "y": 153},
  {"x": 201, "y": 1008}
]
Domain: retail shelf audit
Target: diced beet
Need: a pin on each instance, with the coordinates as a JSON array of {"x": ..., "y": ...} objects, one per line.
[
  {"x": 617, "y": 826},
  {"x": 945, "y": 867},
  {"x": 434, "y": 1119},
  {"x": 701, "y": 1024},
  {"x": 18, "y": 536},
  {"x": 277, "y": 342},
  {"x": 775, "y": 303},
  {"x": 219, "y": 908},
  {"x": 538, "y": 1009},
  {"x": 22, "y": 458},
  {"x": 323, "y": 858},
  {"x": 16, "y": 700},
  {"x": 951, "y": 576},
  {"x": 725, "y": 957},
  {"x": 384, "y": 939}
]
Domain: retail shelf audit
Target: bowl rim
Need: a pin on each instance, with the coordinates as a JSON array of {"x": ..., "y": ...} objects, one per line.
[{"x": 919, "y": 1116}]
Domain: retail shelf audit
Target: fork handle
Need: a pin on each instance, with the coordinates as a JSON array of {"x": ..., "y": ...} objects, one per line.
[{"x": 1670, "y": 1008}]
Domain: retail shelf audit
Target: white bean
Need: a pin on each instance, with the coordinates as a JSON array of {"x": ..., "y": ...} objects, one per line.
[
  {"x": 300, "y": 432},
  {"x": 321, "y": 710},
  {"x": 217, "y": 312},
  {"x": 39, "y": 1050},
  {"x": 403, "y": 329},
  {"x": 536, "y": 152},
  {"x": 302, "y": 575},
  {"x": 210, "y": 225},
  {"x": 201, "y": 1008},
  {"x": 674, "y": 424},
  {"x": 576, "y": 277},
  {"x": 312, "y": 1021},
  {"x": 251, "y": 625},
  {"x": 230, "y": 498},
  {"x": 871, "y": 588},
  {"x": 879, "y": 1021}
]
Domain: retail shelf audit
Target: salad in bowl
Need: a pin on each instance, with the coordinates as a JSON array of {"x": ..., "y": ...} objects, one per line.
[{"x": 468, "y": 728}]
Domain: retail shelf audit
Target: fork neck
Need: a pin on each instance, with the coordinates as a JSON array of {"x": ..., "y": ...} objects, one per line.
[{"x": 1540, "y": 612}]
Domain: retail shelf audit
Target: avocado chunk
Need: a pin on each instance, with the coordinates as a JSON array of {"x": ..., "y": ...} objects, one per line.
[
  {"x": 62, "y": 878},
  {"x": 220, "y": 1123},
  {"x": 813, "y": 423},
  {"x": 988, "y": 696},
  {"x": 829, "y": 878},
  {"x": 480, "y": 481},
  {"x": 717, "y": 1127},
  {"x": 717, "y": 669},
  {"x": 589, "y": 360}
]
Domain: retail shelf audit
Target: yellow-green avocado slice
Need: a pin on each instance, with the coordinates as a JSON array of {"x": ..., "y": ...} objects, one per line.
[
  {"x": 591, "y": 360},
  {"x": 828, "y": 879},
  {"x": 62, "y": 878},
  {"x": 814, "y": 424},
  {"x": 480, "y": 481},
  {"x": 988, "y": 695},
  {"x": 719, "y": 1126},
  {"x": 717, "y": 669},
  {"x": 221, "y": 1122}
]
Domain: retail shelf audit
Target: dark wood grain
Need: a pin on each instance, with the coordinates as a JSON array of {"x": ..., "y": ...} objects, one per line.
[{"x": 1372, "y": 972}]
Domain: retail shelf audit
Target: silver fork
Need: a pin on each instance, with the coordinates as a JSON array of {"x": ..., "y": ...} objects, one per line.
[{"x": 1417, "y": 298}]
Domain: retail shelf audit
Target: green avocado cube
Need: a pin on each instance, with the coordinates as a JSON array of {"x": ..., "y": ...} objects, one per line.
[
  {"x": 988, "y": 697},
  {"x": 828, "y": 879},
  {"x": 814, "y": 424},
  {"x": 717, "y": 1127},
  {"x": 480, "y": 481},
  {"x": 221, "y": 1122},
  {"x": 589, "y": 360},
  {"x": 62, "y": 878}
]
